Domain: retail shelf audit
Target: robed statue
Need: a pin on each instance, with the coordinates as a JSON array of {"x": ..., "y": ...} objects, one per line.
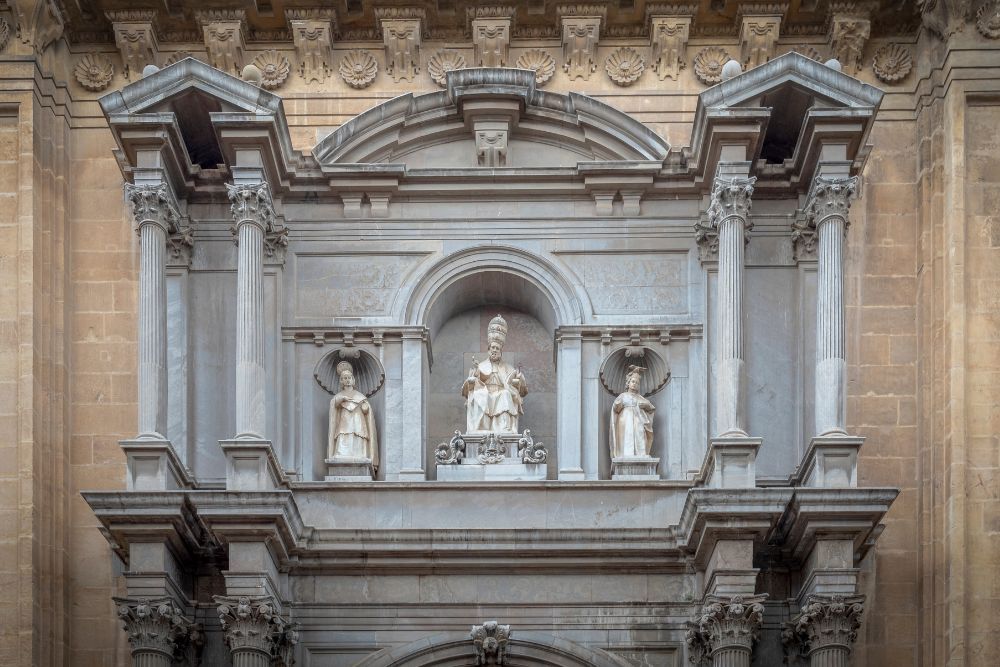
[
  {"x": 352, "y": 422},
  {"x": 494, "y": 390},
  {"x": 631, "y": 420}
]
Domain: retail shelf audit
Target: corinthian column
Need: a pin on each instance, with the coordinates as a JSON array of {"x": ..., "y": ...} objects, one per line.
[
  {"x": 154, "y": 212},
  {"x": 257, "y": 636},
  {"x": 826, "y": 629},
  {"x": 725, "y": 633},
  {"x": 157, "y": 630},
  {"x": 826, "y": 213},
  {"x": 728, "y": 215},
  {"x": 253, "y": 216}
]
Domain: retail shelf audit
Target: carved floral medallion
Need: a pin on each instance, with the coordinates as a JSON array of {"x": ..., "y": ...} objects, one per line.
[
  {"x": 892, "y": 63},
  {"x": 358, "y": 68},
  {"x": 988, "y": 20},
  {"x": 540, "y": 62},
  {"x": 625, "y": 66},
  {"x": 708, "y": 64},
  {"x": 94, "y": 71},
  {"x": 274, "y": 68},
  {"x": 443, "y": 62}
]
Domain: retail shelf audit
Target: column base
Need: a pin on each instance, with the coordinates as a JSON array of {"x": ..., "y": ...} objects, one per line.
[
  {"x": 637, "y": 468},
  {"x": 153, "y": 465},
  {"x": 730, "y": 463},
  {"x": 251, "y": 465},
  {"x": 831, "y": 461}
]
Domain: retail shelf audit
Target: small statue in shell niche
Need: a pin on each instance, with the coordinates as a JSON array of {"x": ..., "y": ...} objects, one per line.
[
  {"x": 632, "y": 419},
  {"x": 352, "y": 422}
]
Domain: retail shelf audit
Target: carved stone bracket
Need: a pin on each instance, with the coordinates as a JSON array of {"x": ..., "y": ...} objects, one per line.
[
  {"x": 580, "y": 35},
  {"x": 732, "y": 623},
  {"x": 489, "y": 641},
  {"x": 758, "y": 36},
  {"x": 850, "y": 27},
  {"x": 401, "y": 34},
  {"x": 312, "y": 32},
  {"x": 491, "y": 146},
  {"x": 828, "y": 623},
  {"x": 251, "y": 204},
  {"x": 135, "y": 38},
  {"x": 253, "y": 625},
  {"x": 668, "y": 38},
  {"x": 157, "y": 626},
  {"x": 153, "y": 203},
  {"x": 223, "y": 31},
  {"x": 491, "y": 37},
  {"x": 39, "y": 22}
]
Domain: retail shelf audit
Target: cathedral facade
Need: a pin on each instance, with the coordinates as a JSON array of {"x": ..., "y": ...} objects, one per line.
[{"x": 398, "y": 334}]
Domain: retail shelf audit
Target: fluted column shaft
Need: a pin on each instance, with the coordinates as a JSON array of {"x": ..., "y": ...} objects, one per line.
[
  {"x": 731, "y": 656},
  {"x": 253, "y": 216},
  {"x": 827, "y": 210},
  {"x": 729, "y": 215},
  {"x": 830, "y": 656},
  {"x": 251, "y": 658},
  {"x": 150, "y": 659},
  {"x": 155, "y": 215}
]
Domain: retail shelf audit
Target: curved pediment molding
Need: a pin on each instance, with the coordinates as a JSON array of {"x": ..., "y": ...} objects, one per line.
[{"x": 489, "y": 110}]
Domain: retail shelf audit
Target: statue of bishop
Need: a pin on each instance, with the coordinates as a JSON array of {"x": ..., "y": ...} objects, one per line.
[{"x": 494, "y": 390}]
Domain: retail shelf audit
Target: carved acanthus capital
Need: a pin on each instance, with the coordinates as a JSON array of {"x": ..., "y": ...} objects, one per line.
[
  {"x": 135, "y": 38},
  {"x": 830, "y": 198},
  {"x": 826, "y": 621},
  {"x": 313, "y": 37},
  {"x": 489, "y": 641},
  {"x": 153, "y": 204},
  {"x": 668, "y": 36},
  {"x": 725, "y": 622},
  {"x": 223, "y": 31},
  {"x": 251, "y": 204},
  {"x": 253, "y": 624},
  {"x": 156, "y": 626},
  {"x": 731, "y": 198}
]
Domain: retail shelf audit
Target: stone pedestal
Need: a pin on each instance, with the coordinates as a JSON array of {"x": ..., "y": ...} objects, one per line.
[
  {"x": 634, "y": 468},
  {"x": 508, "y": 470},
  {"x": 343, "y": 469},
  {"x": 730, "y": 463},
  {"x": 483, "y": 456},
  {"x": 251, "y": 465},
  {"x": 831, "y": 462}
]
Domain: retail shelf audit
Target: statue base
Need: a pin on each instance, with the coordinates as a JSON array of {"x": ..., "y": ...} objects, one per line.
[
  {"x": 507, "y": 470},
  {"x": 638, "y": 468},
  {"x": 488, "y": 456},
  {"x": 349, "y": 470}
]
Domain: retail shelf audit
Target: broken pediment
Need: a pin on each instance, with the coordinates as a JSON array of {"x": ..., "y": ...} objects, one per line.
[{"x": 490, "y": 117}]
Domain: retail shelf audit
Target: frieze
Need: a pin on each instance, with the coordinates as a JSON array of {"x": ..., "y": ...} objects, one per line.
[{"x": 350, "y": 285}]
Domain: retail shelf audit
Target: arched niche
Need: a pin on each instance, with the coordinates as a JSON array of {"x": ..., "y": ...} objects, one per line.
[{"x": 526, "y": 649}]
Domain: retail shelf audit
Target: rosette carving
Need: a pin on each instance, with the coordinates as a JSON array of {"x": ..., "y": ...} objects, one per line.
[
  {"x": 988, "y": 20},
  {"x": 625, "y": 66},
  {"x": 94, "y": 71},
  {"x": 358, "y": 68},
  {"x": 540, "y": 62},
  {"x": 274, "y": 68},
  {"x": 892, "y": 63},
  {"x": 708, "y": 64},
  {"x": 443, "y": 62}
]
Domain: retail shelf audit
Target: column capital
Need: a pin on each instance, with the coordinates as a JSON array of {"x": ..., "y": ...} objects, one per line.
[
  {"x": 251, "y": 204},
  {"x": 156, "y": 626},
  {"x": 253, "y": 624},
  {"x": 829, "y": 198},
  {"x": 826, "y": 621},
  {"x": 725, "y": 622},
  {"x": 153, "y": 203},
  {"x": 731, "y": 198}
]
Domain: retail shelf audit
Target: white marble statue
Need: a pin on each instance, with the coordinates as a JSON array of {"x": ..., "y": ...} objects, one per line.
[
  {"x": 631, "y": 420},
  {"x": 352, "y": 422},
  {"x": 494, "y": 390}
]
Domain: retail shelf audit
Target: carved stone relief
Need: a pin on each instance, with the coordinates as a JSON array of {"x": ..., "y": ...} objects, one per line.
[
  {"x": 668, "y": 39},
  {"x": 135, "y": 38},
  {"x": 443, "y": 62},
  {"x": 4, "y": 33},
  {"x": 624, "y": 66},
  {"x": 313, "y": 40},
  {"x": 94, "y": 71},
  {"x": 274, "y": 68},
  {"x": 252, "y": 625},
  {"x": 489, "y": 642},
  {"x": 580, "y": 36},
  {"x": 491, "y": 147},
  {"x": 758, "y": 36},
  {"x": 491, "y": 37},
  {"x": 892, "y": 63},
  {"x": 848, "y": 39},
  {"x": 223, "y": 33},
  {"x": 39, "y": 22},
  {"x": 708, "y": 64},
  {"x": 541, "y": 62},
  {"x": 725, "y": 622},
  {"x": 826, "y": 621},
  {"x": 358, "y": 68},
  {"x": 402, "y": 48},
  {"x": 156, "y": 626}
]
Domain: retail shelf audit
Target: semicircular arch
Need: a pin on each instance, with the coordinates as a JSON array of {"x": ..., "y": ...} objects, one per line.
[{"x": 526, "y": 649}]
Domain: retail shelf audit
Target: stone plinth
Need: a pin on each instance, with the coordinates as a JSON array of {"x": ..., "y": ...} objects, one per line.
[
  {"x": 831, "y": 462},
  {"x": 343, "y": 469},
  {"x": 636, "y": 468},
  {"x": 508, "y": 470}
]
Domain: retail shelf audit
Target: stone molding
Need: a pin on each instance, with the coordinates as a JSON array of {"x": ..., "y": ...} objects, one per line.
[
  {"x": 725, "y": 623},
  {"x": 156, "y": 626},
  {"x": 253, "y": 625},
  {"x": 826, "y": 621}
]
